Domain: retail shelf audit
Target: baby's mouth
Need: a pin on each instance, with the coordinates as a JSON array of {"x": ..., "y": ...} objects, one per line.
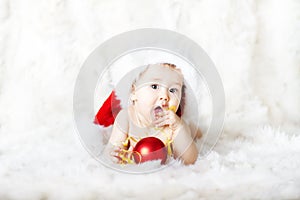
[{"x": 157, "y": 110}]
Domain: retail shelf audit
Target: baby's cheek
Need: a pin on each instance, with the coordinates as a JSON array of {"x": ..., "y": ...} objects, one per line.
[
  {"x": 174, "y": 102},
  {"x": 144, "y": 98}
]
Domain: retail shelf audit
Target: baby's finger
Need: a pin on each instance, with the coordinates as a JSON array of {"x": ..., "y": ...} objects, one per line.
[
  {"x": 115, "y": 152},
  {"x": 168, "y": 112},
  {"x": 119, "y": 157},
  {"x": 160, "y": 120},
  {"x": 159, "y": 114},
  {"x": 116, "y": 159},
  {"x": 163, "y": 123}
]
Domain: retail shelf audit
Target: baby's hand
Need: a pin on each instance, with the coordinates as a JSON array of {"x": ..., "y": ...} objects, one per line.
[
  {"x": 121, "y": 156},
  {"x": 168, "y": 118}
]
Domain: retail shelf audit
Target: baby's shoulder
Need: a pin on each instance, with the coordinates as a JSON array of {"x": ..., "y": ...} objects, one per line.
[
  {"x": 123, "y": 114},
  {"x": 122, "y": 120}
]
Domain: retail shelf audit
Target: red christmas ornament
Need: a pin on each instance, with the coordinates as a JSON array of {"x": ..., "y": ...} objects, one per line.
[{"x": 150, "y": 148}]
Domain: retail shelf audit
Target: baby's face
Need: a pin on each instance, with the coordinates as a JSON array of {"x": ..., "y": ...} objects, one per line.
[{"x": 159, "y": 87}]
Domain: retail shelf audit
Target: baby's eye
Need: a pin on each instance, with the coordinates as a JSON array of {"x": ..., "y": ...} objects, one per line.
[
  {"x": 173, "y": 90},
  {"x": 154, "y": 86}
]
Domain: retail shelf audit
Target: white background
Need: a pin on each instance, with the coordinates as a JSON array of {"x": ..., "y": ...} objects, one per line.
[{"x": 255, "y": 46}]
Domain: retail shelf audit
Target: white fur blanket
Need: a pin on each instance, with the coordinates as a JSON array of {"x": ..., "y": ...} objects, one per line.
[{"x": 255, "y": 46}]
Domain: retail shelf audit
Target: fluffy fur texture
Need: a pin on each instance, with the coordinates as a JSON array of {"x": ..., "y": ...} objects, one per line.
[{"x": 255, "y": 46}]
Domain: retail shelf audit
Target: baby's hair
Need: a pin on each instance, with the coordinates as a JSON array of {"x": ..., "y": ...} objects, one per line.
[
  {"x": 169, "y": 65},
  {"x": 173, "y": 67}
]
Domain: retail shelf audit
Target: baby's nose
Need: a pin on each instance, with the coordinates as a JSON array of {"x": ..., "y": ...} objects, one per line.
[{"x": 164, "y": 95}]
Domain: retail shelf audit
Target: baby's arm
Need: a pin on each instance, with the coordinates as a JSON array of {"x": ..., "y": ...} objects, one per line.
[
  {"x": 118, "y": 136},
  {"x": 183, "y": 142},
  {"x": 184, "y": 145}
]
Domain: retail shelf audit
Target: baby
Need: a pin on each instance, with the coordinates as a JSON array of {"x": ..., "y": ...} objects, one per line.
[{"x": 155, "y": 98}]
